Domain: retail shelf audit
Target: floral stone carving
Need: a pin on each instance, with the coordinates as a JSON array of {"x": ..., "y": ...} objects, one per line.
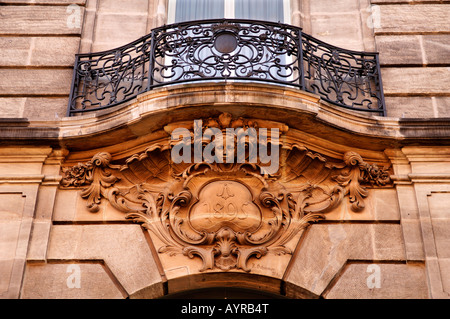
[{"x": 225, "y": 214}]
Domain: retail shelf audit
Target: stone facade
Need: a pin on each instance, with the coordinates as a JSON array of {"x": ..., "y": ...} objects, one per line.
[{"x": 93, "y": 206}]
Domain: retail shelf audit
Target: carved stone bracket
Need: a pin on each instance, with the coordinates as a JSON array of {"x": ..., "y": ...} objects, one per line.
[
  {"x": 95, "y": 174},
  {"x": 225, "y": 214},
  {"x": 359, "y": 173}
]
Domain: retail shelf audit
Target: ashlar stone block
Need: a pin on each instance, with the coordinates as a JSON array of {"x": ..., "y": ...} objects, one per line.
[
  {"x": 35, "y": 81},
  {"x": 49, "y": 20},
  {"x": 71, "y": 280},
  {"x": 123, "y": 248},
  {"x": 420, "y": 18},
  {"x": 427, "y": 81},
  {"x": 381, "y": 281},
  {"x": 326, "y": 248}
]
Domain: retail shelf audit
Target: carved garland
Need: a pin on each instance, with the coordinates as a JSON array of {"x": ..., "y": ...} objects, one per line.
[{"x": 224, "y": 213}]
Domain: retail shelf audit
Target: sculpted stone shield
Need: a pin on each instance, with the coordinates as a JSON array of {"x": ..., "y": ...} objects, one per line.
[{"x": 225, "y": 204}]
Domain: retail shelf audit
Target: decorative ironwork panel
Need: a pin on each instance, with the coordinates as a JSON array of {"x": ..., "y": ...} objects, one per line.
[
  {"x": 108, "y": 78},
  {"x": 224, "y": 49},
  {"x": 245, "y": 50},
  {"x": 347, "y": 78}
]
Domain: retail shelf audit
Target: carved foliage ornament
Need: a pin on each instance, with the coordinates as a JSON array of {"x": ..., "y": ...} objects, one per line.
[
  {"x": 94, "y": 174},
  {"x": 222, "y": 213}
]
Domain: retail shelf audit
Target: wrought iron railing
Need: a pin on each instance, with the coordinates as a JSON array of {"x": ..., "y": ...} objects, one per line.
[{"x": 224, "y": 49}]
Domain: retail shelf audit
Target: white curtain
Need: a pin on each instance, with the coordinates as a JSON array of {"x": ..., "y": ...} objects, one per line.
[
  {"x": 189, "y": 10},
  {"x": 266, "y": 10}
]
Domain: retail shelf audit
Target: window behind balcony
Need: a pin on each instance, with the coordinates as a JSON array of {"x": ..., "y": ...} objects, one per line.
[
  {"x": 266, "y": 10},
  {"x": 246, "y": 61}
]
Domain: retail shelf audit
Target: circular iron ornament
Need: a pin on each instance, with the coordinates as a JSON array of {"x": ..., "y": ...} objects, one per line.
[{"x": 225, "y": 42}]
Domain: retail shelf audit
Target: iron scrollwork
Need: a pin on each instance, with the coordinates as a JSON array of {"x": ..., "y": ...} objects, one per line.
[
  {"x": 347, "y": 78},
  {"x": 225, "y": 50},
  {"x": 105, "y": 79},
  {"x": 222, "y": 49}
]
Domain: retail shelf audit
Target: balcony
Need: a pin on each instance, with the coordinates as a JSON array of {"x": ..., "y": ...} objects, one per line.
[{"x": 227, "y": 50}]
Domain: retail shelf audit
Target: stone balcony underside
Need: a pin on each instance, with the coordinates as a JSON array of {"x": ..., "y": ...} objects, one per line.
[{"x": 302, "y": 112}]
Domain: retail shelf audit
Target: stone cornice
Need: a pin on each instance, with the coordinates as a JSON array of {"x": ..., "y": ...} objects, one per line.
[{"x": 303, "y": 112}]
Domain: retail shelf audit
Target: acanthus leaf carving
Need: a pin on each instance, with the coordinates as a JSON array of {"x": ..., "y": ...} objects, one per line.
[
  {"x": 95, "y": 174},
  {"x": 359, "y": 173}
]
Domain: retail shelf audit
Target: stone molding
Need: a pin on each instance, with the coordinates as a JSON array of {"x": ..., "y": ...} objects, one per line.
[{"x": 302, "y": 111}]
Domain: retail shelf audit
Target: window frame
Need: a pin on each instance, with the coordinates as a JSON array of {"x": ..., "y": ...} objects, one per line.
[{"x": 229, "y": 11}]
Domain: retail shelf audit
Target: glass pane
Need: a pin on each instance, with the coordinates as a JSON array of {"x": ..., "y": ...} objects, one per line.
[
  {"x": 266, "y": 10},
  {"x": 189, "y": 10}
]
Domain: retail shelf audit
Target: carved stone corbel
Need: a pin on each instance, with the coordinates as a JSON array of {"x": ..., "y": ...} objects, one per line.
[
  {"x": 225, "y": 214},
  {"x": 95, "y": 174},
  {"x": 357, "y": 174}
]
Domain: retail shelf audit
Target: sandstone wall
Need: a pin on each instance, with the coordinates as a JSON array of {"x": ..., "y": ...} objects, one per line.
[
  {"x": 414, "y": 44},
  {"x": 50, "y": 234},
  {"x": 412, "y": 38},
  {"x": 39, "y": 40},
  {"x": 109, "y": 24},
  {"x": 46, "y": 231}
]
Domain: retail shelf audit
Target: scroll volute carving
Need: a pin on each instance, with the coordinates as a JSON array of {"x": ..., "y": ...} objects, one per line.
[
  {"x": 96, "y": 175},
  {"x": 331, "y": 180},
  {"x": 225, "y": 214}
]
